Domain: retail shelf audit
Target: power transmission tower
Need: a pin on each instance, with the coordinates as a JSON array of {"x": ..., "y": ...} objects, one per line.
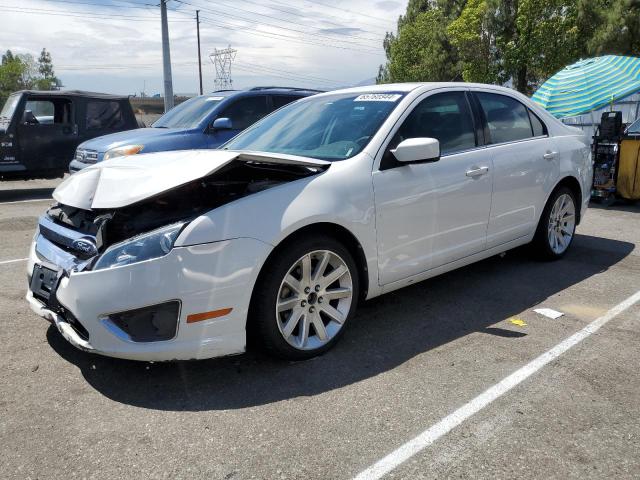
[
  {"x": 166, "y": 58},
  {"x": 222, "y": 60}
]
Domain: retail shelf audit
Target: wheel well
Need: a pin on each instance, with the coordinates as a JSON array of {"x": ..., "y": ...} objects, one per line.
[
  {"x": 572, "y": 184},
  {"x": 341, "y": 234}
]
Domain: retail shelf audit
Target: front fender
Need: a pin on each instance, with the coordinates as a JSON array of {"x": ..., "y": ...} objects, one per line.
[{"x": 342, "y": 195}]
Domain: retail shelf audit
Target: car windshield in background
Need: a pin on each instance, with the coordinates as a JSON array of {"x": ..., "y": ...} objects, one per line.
[
  {"x": 9, "y": 107},
  {"x": 188, "y": 114},
  {"x": 330, "y": 127}
]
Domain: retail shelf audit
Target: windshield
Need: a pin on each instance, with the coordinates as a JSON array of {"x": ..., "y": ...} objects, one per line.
[
  {"x": 188, "y": 114},
  {"x": 634, "y": 127},
  {"x": 332, "y": 127},
  {"x": 9, "y": 107}
]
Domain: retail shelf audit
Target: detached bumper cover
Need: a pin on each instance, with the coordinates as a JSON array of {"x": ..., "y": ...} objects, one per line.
[{"x": 202, "y": 277}]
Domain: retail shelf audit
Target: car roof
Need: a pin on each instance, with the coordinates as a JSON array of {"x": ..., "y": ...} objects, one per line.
[
  {"x": 72, "y": 93},
  {"x": 410, "y": 86},
  {"x": 262, "y": 90}
]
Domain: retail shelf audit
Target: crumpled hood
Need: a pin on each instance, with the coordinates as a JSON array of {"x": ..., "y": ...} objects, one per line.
[
  {"x": 129, "y": 137},
  {"x": 127, "y": 180}
]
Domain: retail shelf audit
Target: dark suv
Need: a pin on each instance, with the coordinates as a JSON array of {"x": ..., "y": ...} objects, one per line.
[
  {"x": 206, "y": 121},
  {"x": 39, "y": 131}
]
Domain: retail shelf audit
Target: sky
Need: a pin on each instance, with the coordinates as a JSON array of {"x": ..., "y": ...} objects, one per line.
[{"x": 114, "y": 46}]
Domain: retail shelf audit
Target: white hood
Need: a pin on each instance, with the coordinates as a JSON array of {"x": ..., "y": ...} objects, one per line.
[{"x": 126, "y": 180}]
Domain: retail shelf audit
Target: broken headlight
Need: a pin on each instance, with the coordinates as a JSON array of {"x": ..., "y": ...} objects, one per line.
[{"x": 154, "y": 244}]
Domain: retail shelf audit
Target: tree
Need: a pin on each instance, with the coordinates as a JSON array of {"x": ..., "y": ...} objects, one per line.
[
  {"x": 420, "y": 52},
  {"x": 471, "y": 34},
  {"x": 47, "y": 80},
  {"x": 541, "y": 41},
  {"x": 620, "y": 28},
  {"x": 521, "y": 42},
  {"x": 22, "y": 72}
]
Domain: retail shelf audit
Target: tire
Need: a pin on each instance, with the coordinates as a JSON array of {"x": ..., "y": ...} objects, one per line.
[
  {"x": 291, "y": 315},
  {"x": 557, "y": 225}
]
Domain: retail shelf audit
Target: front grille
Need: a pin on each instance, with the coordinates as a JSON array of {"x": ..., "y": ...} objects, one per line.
[
  {"x": 81, "y": 245},
  {"x": 86, "y": 156}
]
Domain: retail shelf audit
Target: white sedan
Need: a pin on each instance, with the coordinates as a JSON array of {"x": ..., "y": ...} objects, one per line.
[{"x": 331, "y": 200}]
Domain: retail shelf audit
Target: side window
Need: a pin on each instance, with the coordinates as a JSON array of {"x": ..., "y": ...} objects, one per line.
[
  {"x": 508, "y": 119},
  {"x": 104, "y": 115},
  {"x": 282, "y": 100},
  {"x": 50, "y": 112},
  {"x": 539, "y": 128},
  {"x": 444, "y": 116},
  {"x": 246, "y": 111}
]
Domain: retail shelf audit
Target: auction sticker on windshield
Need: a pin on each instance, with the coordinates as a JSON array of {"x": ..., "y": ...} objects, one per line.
[{"x": 377, "y": 97}]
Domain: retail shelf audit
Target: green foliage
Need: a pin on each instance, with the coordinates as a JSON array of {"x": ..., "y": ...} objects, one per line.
[
  {"x": 500, "y": 41},
  {"x": 420, "y": 52},
  {"x": 22, "y": 72},
  {"x": 620, "y": 28},
  {"x": 471, "y": 35}
]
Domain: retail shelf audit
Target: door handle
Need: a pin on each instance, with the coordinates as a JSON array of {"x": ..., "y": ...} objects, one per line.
[
  {"x": 477, "y": 171},
  {"x": 549, "y": 155}
]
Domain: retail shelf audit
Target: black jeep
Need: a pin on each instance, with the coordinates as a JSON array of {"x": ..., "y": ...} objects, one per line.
[{"x": 39, "y": 131}]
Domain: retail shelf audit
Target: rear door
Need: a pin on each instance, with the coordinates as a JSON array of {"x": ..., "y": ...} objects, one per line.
[
  {"x": 48, "y": 142},
  {"x": 102, "y": 117},
  {"x": 523, "y": 157}
]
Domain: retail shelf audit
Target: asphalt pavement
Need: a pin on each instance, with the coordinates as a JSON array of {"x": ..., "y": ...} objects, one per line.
[{"x": 409, "y": 360}]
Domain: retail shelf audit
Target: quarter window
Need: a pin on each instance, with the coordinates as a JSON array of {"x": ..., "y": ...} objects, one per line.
[
  {"x": 246, "y": 111},
  {"x": 444, "y": 116},
  {"x": 508, "y": 119},
  {"x": 104, "y": 115},
  {"x": 538, "y": 127}
]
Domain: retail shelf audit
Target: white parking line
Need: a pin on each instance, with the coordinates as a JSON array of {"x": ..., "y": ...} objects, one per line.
[
  {"x": 28, "y": 201},
  {"x": 4, "y": 262},
  {"x": 444, "y": 426}
]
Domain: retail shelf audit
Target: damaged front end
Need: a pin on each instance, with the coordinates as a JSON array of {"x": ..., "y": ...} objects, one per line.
[{"x": 77, "y": 239}]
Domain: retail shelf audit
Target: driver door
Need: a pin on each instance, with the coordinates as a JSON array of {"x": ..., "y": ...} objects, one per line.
[
  {"x": 431, "y": 214},
  {"x": 48, "y": 142},
  {"x": 243, "y": 113}
]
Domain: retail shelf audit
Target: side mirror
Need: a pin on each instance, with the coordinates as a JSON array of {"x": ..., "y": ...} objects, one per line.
[
  {"x": 415, "y": 150},
  {"x": 222, "y": 123},
  {"x": 29, "y": 118}
]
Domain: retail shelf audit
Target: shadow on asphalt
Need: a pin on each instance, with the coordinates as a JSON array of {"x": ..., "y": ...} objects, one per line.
[
  {"x": 386, "y": 332},
  {"x": 620, "y": 205},
  {"x": 21, "y": 194}
]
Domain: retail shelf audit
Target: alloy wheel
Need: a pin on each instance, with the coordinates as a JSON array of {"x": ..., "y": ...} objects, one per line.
[
  {"x": 562, "y": 224},
  {"x": 314, "y": 299}
]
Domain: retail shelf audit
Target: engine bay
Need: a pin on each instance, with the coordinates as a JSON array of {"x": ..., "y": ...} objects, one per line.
[{"x": 236, "y": 180}]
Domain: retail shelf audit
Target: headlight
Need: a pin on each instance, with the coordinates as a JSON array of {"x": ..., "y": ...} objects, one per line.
[
  {"x": 122, "y": 151},
  {"x": 150, "y": 245}
]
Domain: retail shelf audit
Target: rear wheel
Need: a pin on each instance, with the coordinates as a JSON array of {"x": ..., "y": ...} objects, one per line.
[
  {"x": 305, "y": 298},
  {"x": 557, "y": 225}
]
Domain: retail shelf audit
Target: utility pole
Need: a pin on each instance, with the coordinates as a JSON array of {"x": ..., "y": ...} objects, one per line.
[
  {"x": 166, "y": 58},
  {"x": 199, "y": 58}
]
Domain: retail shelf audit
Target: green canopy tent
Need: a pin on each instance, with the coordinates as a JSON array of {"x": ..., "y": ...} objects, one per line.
[{"x": 589, "y": 84}]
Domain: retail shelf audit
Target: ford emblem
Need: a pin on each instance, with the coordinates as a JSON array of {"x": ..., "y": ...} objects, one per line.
[{"x": 85, "y": 246}]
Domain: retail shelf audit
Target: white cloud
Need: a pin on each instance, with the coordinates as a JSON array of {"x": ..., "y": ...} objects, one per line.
[{"x": 103, "y": 48}]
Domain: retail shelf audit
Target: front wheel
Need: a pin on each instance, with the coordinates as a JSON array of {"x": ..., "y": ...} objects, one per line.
[
  {"x": 304, "y": 298},
  {"x": 557, "y": 225}
]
